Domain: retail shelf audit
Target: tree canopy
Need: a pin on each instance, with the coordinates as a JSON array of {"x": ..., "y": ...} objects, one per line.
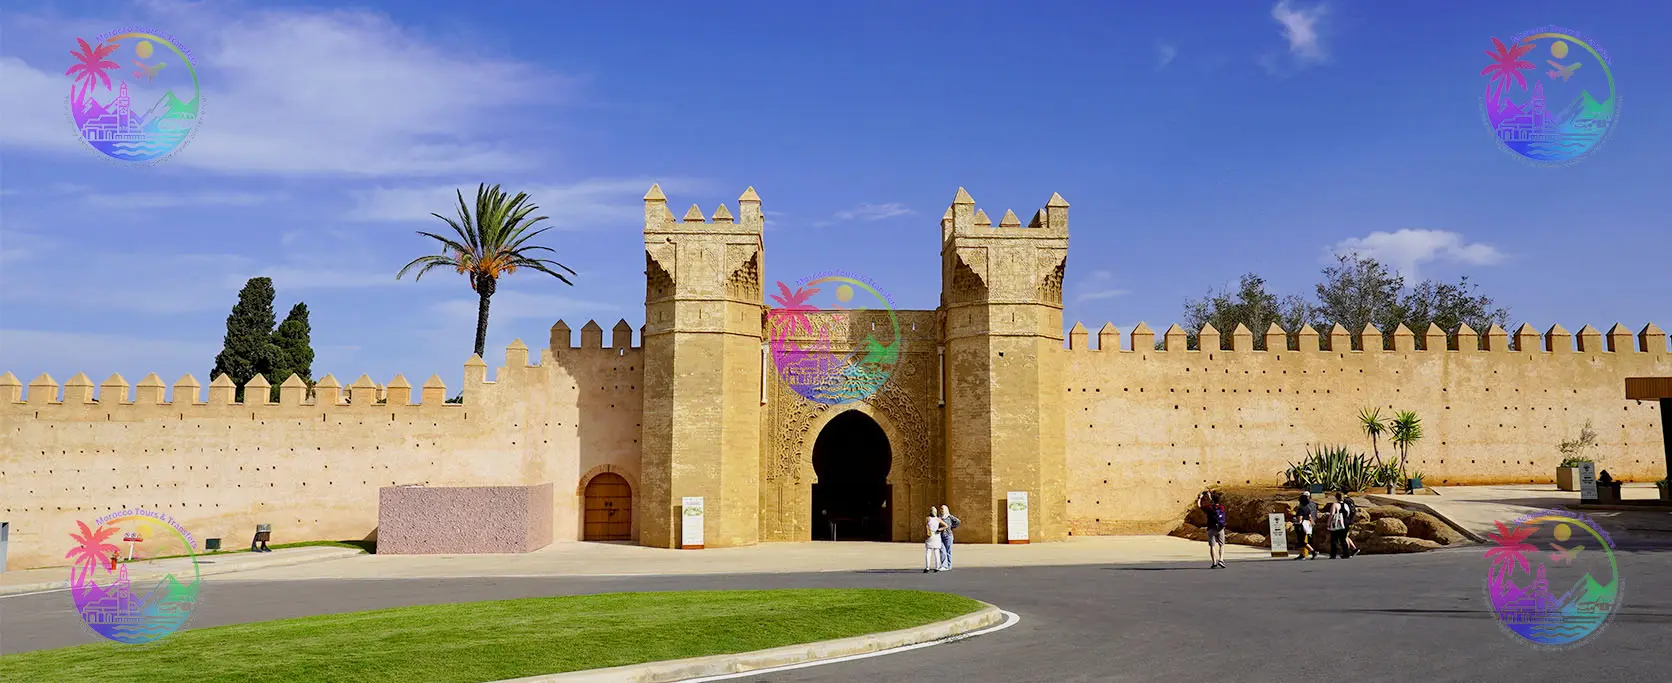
[
  {"x": 1357, "y": 291},
  {"x": 253, "y": 347}
]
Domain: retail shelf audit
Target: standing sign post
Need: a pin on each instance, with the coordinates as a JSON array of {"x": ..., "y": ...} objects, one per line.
[
  {"x": 1588, "y": 482},
  {"x": 1279, "y": 534},
  {"x": 690, "y": 529},
  {"x": 1017, "y": 507},
  {"x": 131, "y": 538}
]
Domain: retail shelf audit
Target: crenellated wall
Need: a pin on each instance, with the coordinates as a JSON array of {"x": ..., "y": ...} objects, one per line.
[
  {"x": 311, "y": 466},
  {"x": 1148, "y": 429},
  {"x": 984, "y": 400}
]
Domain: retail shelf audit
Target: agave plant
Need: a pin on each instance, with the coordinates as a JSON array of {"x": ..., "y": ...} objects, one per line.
[{"x": 1335, "y": 468}]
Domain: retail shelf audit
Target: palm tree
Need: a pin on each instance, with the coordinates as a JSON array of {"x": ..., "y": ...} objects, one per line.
[
  {"x": 487, "y": 246},
  {"x": 91, "y": 65},
  {"x": 1404, "y": 431},
  {"x": 90, "y": 550},
  {"x": 1507, "y": 66},
  {"x": 1374, "y": 426}
]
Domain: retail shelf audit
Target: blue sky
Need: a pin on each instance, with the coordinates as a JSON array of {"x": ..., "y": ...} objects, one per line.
[{"x": 1193, "y": 146}]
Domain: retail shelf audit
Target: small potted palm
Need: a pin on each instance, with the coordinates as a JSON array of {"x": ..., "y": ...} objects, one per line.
[
  {"x": 1573, "y": 455},
  {"x": 1665, "y": 487}
]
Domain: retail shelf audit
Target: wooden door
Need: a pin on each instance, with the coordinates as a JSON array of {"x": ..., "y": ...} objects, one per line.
[{"x": 609, "y": 509}]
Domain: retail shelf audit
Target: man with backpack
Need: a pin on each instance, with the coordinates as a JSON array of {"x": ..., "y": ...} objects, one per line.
[{"x": 1212, "y": 504}]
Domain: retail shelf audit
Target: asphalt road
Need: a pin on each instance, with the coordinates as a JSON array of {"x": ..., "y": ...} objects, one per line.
[{"x": 1372, "y": 618}]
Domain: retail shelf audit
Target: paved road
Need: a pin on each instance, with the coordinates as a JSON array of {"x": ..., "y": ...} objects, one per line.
[{"x": 1388, "y": 618}]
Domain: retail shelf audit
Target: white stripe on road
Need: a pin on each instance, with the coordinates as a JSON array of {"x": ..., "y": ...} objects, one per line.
[{"x": 1010, "y": 620}]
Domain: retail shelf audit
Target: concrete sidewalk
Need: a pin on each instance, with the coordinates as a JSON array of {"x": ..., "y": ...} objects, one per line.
[
  {"x": 1477, "y": 509},
  {"x": 622, "y": 559},
  {"x": 58, "y": 578}
]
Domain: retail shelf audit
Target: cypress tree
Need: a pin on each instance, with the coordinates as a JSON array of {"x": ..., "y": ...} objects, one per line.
[
  {"x": 248, "y": 347},
  {"x": 292, "y": 339}
]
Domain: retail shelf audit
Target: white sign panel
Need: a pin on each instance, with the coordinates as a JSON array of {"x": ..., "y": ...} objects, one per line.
[
  {"x": 1017, "y": 507},
  {"x": 1279, "y": 534},
  {"x": 690, "y": 529},
  {"x": 1588, "y": 481}
]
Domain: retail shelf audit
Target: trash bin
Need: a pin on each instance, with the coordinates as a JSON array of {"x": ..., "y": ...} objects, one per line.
[
  {"x": 212, "y": 544},
  {"x": 263, "y": 533}
]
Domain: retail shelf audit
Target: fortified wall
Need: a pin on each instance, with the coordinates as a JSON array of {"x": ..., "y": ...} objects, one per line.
[
  {"x": 985, "y": 400},
  {"x": 312, "y": 467},
  {"x": 1148, "y": 429}
]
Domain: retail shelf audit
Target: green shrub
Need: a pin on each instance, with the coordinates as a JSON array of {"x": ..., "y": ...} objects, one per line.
[
  {"x": 1573, "y": 461},
  {"x": 1334, "y": 467}
]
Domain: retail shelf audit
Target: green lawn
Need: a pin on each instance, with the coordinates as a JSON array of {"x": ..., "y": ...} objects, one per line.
[{"x": 490, "y": 641}]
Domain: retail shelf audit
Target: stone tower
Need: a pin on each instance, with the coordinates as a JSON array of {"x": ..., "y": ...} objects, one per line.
[
  {"x": 1001, "y": 290},
  {"x": 702, "y": 370}
]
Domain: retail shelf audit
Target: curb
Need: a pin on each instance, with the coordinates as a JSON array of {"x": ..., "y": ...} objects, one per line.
[
  {"x": 1422, "y": 507},
  {"x": 61, "y": 585},
  {"x": 743, "y": 662}
]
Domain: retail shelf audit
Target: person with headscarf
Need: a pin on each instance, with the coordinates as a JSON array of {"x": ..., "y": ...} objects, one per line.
[{"x": 948, "y": 523}]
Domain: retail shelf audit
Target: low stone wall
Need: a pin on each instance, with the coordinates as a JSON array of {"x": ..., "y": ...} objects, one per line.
[{"x": 424, "y": 520}]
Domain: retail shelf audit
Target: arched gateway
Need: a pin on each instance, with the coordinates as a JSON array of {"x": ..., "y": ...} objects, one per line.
[{"x": 851, "y": 493}]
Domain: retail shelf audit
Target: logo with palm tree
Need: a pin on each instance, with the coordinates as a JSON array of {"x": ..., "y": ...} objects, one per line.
[
  {"x": 1553, "y": 550},
  {"x": 148, "y": 112},
  {"x": 1551, "y": 116},
  {"x": 124, "y": 608},
  {"x": 835, "y": 338}
]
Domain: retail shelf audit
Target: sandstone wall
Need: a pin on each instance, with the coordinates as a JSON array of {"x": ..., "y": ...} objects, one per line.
[
  {"x": 311, "y": 467},
  {"x": 1149, "y": 429}
]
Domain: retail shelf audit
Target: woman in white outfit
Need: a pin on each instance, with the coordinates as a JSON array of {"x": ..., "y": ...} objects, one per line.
[{"x": 932, "y": 546}]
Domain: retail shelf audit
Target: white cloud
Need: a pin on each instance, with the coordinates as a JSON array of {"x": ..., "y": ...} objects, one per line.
[
  {"x": 158, "y": 200},
  {"x": 1300, "y": 28},
  {"x": 597, "y": 202},
  {"x": 1100, "y": 285},
  {"x": 318, "y": 92},
  {"x": 873, "y": 212},
  {"x": 1165, "y": 54},
  {"x": 158, "y": 283},
  {"x": 1406, "y": 250}
]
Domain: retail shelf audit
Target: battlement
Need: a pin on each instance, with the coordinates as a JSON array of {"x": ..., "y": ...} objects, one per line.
[
  {"x": 963, "y": 218},
  {"x": 187, "y": 392},
  {"x": 658, "y": 218},
  {"x": 1556, "y": 340},
  {"x": 592, "y": 338}
]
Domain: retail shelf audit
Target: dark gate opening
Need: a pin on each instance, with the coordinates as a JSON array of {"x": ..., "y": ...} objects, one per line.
[{"x": 850, "y": 501}]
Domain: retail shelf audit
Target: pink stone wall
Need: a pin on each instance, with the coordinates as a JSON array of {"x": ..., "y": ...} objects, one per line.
[{"x": 433, "y": 520}]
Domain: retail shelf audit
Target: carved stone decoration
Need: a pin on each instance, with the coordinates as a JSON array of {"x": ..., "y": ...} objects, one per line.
[
  {"x": 793, "y": 417},
  {"x": 1050, "y": 288},
  {"x": 967, "y": 283},
  {"x": 658, "y": 283},
  {"x": 894, "y": 401},
  {"x": 745, "y": 279}
]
